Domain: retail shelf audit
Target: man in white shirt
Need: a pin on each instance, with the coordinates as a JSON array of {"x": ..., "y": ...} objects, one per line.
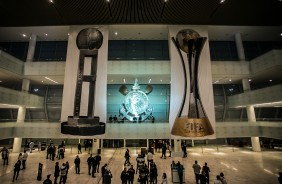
[
  {"x": 31, "y": 145},
  {"x": 24, "y": 157},
  {"x": 197, "y": 171}
]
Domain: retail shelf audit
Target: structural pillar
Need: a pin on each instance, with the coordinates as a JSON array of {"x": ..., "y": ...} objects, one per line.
[
  {"x": 31, "y": 47},
  {"x": 95, "y": 146},
  {"x": 192, "y": 142},
  {"x": 251, "y": 116},
  {"x": 252, "y": 119},
  {"x": 239, "y": 46},
  {"x": 17, "y": 145},
  {"x": 177, "y": 145}
]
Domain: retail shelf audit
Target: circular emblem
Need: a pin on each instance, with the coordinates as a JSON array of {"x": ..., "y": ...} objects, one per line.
[{"x": 136, "y": 106}]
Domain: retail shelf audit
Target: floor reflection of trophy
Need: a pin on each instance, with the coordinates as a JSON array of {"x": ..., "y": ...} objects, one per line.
[
  {"x": 196, "y": 124},
  {"x": 88, "y": 42}
]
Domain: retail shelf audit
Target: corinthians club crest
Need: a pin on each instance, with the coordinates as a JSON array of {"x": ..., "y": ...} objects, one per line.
[{"x": 136, "y": 104}]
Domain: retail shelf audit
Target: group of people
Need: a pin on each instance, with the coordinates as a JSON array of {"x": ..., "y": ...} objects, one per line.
[
  {"x": 202, "y": 174},
  {"x": 147, "y": 173}
]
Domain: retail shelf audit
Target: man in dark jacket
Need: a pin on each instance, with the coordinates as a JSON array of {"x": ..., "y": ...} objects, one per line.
[
  {"x": 89, "y": 162},
  {"x": 131, "y": 173},
  {"x": 47, "y": 181},
  {"x": 123, "y": 176},
  {"x": 17, "y": 169},
  {"x": 57, "y": 172},
  {"x": 77, "y": 164}
]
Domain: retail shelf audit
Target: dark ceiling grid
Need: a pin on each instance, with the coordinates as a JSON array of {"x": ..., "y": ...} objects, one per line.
[
  {"x": 105, "y": 14},
  {"x": 157, "y": 10},
  {"x": 177, "y": 13},
  {"x": 116, "y": 6}
]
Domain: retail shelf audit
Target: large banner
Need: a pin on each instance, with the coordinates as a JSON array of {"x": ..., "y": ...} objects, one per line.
[
  {"x": 84, "y": 95},
  {"x": 192, "y": 106}
]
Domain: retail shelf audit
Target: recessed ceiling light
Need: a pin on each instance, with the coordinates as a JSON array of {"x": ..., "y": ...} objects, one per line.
[
  {"x": 46, "y": 34},
  {"x": 222, "y": 1},
  {"x": 51, "y": 80},
  {"x": 270, "y": 80},
  {"x": 1, "y": 81},
  {"x": 161, "y": 80},
  {"x": 24, "y": 35},
  {"x": 250, "y": 80},
  {"x": 108, "y": 1},
  {"x": 68, "y": 34},
  {"x": 41, "y": 81},
  {"x": 112, "y": 80},
  {"x": 116, "y": 33},
  {"x": 51, "y": 1},
  {"x": 280, "y": 34},
  {"x": 230, "y": 80}
]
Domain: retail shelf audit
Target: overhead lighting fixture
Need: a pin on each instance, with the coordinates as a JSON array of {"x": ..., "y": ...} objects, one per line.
[
  {"x": 1, "y": 81},
  {"x": 250, "y": 80},
  {"x": 36, "y": 89},
  {"x": 108, "y": 1},
  {"x": 46, "y": 34},
  {"x": 24, "y": 35},
  {"x": 270, "y": 80},
  {"x": 51, "y": 80},
  {"x": 68, "y": 34},
  {"x": 222, "y": 1},
  {"x": 112, "y": 80},
  {"x": 116, "y": 33},
  {"x": 51, "y": 1},
  {"x": 230, "y": 80},
  {"x": 161, "y": 80},
  {"x": 165, "y": 1}
]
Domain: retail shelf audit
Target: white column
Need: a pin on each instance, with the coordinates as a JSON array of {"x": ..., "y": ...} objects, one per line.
[
  {"x": 177, "y": 145},
  {"x": 21, "y": 117},
  {"x": 192, "y": 143},
  {"x": 239, "y": 46},
  {"x": 252, "y": 119},
  {"x": 95, "y": 146},
  {"x": 31, "y": 47},
  {"x": 246, "y": 84},
  {"x": 251, "y": 116}
]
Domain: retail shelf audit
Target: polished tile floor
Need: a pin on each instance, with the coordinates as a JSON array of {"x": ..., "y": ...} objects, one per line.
[{"x": 240, "y": 166}]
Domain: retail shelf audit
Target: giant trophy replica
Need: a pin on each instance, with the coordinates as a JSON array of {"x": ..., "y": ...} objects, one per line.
[
  {"x": 196, "y": 124},
  {"x": 88, "y": 42}
]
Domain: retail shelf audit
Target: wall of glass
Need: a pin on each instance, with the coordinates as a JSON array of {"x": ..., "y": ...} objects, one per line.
[
  {"x": 138, "y": 50},
  {"x": 50, "y": 51},
  {"x": 16, "y": 49}
]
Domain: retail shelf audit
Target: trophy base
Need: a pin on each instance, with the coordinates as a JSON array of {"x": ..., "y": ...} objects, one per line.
[
  {"x": 83, "y": 126},
  {"x": 192, "y": 127}
]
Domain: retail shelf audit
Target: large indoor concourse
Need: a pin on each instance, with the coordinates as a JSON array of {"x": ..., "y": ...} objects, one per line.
[{"x": 140, "y": 91}]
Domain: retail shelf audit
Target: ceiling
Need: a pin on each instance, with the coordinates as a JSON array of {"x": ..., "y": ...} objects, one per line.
[{"x": 16, "y": 13}]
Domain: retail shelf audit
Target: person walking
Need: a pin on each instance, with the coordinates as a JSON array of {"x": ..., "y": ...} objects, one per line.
[
  {"x": 218, "y": 181},
  {"x": 47, "y": 180},
  {"x": 203, "y": 178},
  {"x": 222, "y": 178},
  {"x": 103, "y": 171},
  {"x": 89, "y": 163},
  {"x": 184, "y": 149},
  {"x": 79, "y": 148},
  {"x": 98, "y": 160},
  {"x": 207, "y": 171},
  {"x": 197, "y": 171},
  {"x": 63, "y": 171},
  {"x": 124, "y": 176},
  {"x": 94, "y": 167},
  {"x": 149, "y": 158},
  {"x": 164, "y": 179},
  {"x": 180, "y": 170},
  {"x": 57, "y": 172},
  {"x": 67, "y": 167},
  {"x": 77, "y": 164},
  {"x": 131, "y": 172},
  {"x": 108, "y": 177},
  {"x": 24, "y": 158},
  {"x": 31, "y": 145},
  {"x": 127, "y": 156},
  {"x": 17, "y": 168},
  {"x": 5, "y": 156},
  {"x": 163, "y": 151}
]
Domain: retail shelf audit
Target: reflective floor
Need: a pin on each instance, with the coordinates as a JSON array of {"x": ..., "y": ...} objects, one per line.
[{"x": 240, "y": 166}]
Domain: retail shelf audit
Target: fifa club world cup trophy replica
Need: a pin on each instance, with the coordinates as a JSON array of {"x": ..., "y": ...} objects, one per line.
[
  {"x": 88, "y": 42},
  {"x": 196, "y": 124}
]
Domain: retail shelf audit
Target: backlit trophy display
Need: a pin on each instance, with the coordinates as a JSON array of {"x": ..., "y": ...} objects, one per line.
[
  {"x": 88, "y": 42},
  {"x": 196, "y": 123}
]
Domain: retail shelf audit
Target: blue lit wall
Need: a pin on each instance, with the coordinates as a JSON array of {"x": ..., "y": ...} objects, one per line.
[{"x": 159, "y": 98}]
